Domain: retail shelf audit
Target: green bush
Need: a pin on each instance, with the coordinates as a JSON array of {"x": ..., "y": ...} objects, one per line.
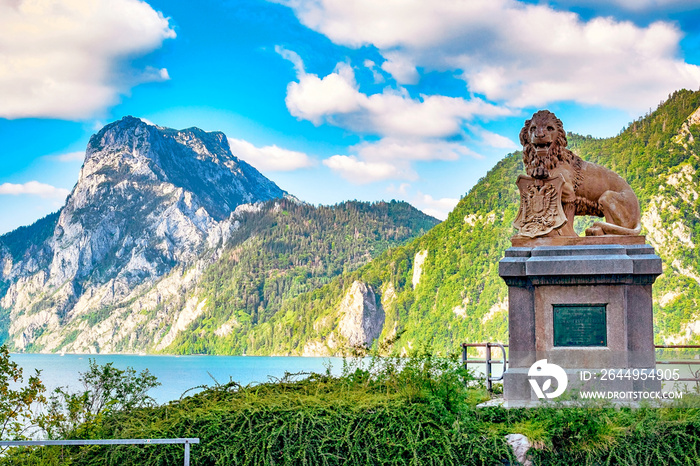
[
  {"x": 419, "y": 410},
  {"x": 17, "y": 400}
]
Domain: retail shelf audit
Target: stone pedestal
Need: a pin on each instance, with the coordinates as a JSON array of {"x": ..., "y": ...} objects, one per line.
[{"x": 548, "y": 282}]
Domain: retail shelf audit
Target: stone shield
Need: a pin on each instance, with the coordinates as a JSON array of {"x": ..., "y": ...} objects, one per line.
[{"x": 540, "y": 206}]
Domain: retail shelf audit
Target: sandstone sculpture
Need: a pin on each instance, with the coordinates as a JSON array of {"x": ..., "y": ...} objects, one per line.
[{"x": 561, "y": 185}]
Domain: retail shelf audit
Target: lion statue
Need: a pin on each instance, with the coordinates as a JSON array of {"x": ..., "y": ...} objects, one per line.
[{"x": 588, "y": 189}]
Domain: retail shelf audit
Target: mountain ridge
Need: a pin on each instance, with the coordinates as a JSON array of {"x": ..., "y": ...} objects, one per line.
[{"x": 153, "y": 208}]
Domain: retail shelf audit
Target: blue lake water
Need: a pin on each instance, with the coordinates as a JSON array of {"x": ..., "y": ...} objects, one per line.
[{"x": 176, "y": 373}]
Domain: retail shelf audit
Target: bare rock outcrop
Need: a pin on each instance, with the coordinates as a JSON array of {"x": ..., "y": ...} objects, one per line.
[{"x": 361, "y": 319}]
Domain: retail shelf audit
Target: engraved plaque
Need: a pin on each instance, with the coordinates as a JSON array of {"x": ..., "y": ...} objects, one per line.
[{"x": 580, "y": 325}]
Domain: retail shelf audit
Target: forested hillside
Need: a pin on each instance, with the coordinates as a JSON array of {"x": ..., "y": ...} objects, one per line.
[
  {"x": 444, "y": 287},
  {"x": 286, "y": 249},
  {"x": 659, "y": 155}
]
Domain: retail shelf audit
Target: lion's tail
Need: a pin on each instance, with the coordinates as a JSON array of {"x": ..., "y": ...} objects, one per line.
[{"x": 612, "y": 229}]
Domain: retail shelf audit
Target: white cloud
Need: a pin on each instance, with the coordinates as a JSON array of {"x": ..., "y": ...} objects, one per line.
[
  {"x": 634, "y": 5},
  {"x": 313, "y": 98},
  {"x": 269, "y": 158},
  {"x": 68, "y": 157},
  {"x": 412, "y": 149},
  {"x": 653, "y": 4},
  {"x": 390, "y": 158},
  {"x": 438, "y": 208},
  {"x": 401, "y": 67},
  {"x": 495, "y": 140},
  {"x": 409, "y": 128},
  {"x": 396, "y": 114},
  {"x": 376, "y": 75},
  {"x": 361, "y": 172},
  {"x": 337, "y": 100},
  {"x": 292, "y": 57},
  {"x": 98, "y": 125},
  {"x": 66, "y": 58},
  {"x": 385, "y": 24},
  {"x": 147, "y": 121},
  {"x": 34, "y": 188},
  {"x": 520, "y": 54},
  {"x": 401, "y": 190}
]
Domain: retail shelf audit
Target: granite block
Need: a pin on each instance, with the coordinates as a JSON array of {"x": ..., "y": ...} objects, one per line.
[
  {"x": 603, "y": 249},
  {"x": 579, "y": 265}
]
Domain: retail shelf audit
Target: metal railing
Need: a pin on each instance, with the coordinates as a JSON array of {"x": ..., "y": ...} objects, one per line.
[
  {"x": 488, "y": 373},
  {"x": 488, "y": 361},
  {"x": 132, "y": 441},
  {"x": 681, "y": 361}
]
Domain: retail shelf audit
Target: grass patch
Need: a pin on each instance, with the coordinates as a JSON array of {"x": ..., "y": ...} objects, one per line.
[{"x": 413, "y": 411}]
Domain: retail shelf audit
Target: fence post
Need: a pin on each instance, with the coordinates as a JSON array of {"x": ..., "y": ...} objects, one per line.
[
  {"x": 464, "y": 357},
  {"x": 187, "y": 453},
  {"x": 489, "y": 384}
]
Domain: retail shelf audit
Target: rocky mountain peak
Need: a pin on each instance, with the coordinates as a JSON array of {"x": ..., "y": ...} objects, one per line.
[
  {"x": 158, "y": 190},
  {"x": 198, "y": 161},
  {"x": 148, "y": 199}
]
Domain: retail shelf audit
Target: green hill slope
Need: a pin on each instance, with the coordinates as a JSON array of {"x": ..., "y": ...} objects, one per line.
[
  {"x": 286, "y": 249},
  {"x": 444, "y": 287}
]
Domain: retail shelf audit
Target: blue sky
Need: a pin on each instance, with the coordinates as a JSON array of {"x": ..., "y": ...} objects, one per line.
[{"x": 331, "y": 99}]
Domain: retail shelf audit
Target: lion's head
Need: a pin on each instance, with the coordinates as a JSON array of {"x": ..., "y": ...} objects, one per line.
[{"x": 544, "y": 144}]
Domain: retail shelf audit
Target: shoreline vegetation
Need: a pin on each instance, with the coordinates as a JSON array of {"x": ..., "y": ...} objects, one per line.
[{"x": 414, "y": 411}]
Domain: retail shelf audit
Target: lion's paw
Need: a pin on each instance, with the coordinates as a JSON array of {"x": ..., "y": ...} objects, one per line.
[{"x": 595, "y": 230}]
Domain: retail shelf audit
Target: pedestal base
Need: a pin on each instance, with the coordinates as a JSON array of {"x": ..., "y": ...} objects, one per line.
[{"x": 582, "y": 307}]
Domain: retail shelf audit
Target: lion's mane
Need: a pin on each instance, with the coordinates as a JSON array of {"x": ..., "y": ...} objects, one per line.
[{"x": 556, "y": 153}]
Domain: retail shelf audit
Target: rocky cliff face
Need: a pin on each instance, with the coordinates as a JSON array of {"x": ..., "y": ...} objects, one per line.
[
  {"x": 152, "y": 208},
  {"x": 362, "y": 320},
  {"x": 355, "y": 324}
]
